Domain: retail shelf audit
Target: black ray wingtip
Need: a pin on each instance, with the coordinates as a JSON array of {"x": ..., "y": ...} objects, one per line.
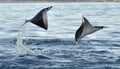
[
  {"x": 48, "y": 8},
  {"x": 83, "y": 18}
]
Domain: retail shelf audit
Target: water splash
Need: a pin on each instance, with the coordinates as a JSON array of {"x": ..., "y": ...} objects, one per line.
[{"x": 20, "y": 48}]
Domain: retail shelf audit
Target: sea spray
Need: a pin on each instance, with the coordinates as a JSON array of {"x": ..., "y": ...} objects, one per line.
[{"x": 21, "y": 43}]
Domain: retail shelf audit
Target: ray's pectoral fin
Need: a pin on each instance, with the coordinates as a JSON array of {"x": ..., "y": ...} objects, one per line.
[
  {"x": 41, "y": 19},
  {"x": 78, "y": 33},
  {"x": 85, "y": 29}
]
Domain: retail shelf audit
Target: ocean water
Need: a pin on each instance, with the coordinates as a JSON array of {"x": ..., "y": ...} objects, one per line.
[{"x": 100, "y": 50}]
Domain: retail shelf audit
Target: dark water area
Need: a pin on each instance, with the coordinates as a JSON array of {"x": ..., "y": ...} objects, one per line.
[{"x": 100, "y": 50}]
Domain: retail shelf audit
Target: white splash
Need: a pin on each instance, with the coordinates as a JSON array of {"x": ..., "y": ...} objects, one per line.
[{"x": 20, "y": 48}]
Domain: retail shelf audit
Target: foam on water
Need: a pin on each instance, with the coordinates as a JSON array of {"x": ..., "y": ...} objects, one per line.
[{"x": 20, "y": 48}]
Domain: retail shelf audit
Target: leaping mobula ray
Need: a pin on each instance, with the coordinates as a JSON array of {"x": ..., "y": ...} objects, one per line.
[
  {"x": 85, "y": 29},
  {"x": 40, "y": 19}
]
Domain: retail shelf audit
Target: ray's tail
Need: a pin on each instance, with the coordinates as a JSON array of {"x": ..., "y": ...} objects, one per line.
[
  {"x": 23, "y": 24},
  {"x": 73, "y": 45}
]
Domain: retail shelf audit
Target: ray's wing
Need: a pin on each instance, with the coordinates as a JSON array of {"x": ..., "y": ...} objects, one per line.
[
  {"x": 79, "y": 32},
  {"x": 41, "y": 18},
  {"x": 87, "y": 23},
  {"x": 83, "y": 30}
]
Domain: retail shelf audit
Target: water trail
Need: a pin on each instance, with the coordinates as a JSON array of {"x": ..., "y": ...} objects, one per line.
[{"x": 20, "y": 48}]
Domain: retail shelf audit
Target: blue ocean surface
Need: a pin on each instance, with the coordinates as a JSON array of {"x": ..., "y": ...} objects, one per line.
[{"x": 100, "y": 50}]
